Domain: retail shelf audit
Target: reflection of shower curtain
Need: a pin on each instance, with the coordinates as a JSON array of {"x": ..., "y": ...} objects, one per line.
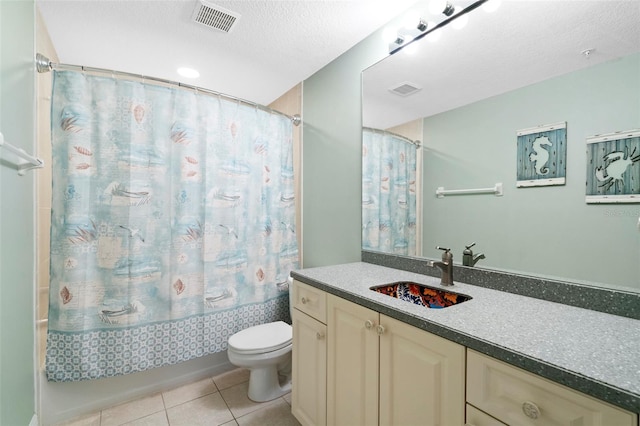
[
  {"x": 172, "y": 224},
  {"x": 388, "y": 193}
]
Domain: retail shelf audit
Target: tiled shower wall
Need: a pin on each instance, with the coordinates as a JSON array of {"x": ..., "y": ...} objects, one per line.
[
  {"x": 291, "y": 104},
  {"x": 43, "y": 184}
]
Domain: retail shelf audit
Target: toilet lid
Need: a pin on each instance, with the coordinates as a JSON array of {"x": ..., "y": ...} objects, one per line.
[{"x": 262, "y": 338}]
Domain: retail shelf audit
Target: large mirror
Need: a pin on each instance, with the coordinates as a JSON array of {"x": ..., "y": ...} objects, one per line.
[{"x": 481, "y": 101}]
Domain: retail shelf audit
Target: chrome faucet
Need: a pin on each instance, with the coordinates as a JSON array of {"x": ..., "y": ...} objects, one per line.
[
  {"x": 468, "y": 259},
  {"x": 446, "y": 266}
]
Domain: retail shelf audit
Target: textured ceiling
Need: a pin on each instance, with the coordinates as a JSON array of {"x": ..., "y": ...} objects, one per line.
[
  {"x": 275, "y": 44},
  {"x": 523, "y": 42}
]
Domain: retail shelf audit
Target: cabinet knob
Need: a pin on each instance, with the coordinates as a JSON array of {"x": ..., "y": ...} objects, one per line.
[
  {"x": 304, "y": 300},
  {"x": 368, "y": 324},
  {"x": 380, "y": 330},
  {"x": 320, "y": 335},
  {"x": 530, "y": 410}
]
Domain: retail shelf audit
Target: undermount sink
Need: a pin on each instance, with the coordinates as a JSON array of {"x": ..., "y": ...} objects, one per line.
[{"x": 421, "y": 294}]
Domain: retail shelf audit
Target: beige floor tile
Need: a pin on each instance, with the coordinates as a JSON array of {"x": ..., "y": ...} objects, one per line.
[
  {"x": 188, "y": 392},
  {"x": 92, "y": 419},
  {"x": 287, "y": 398},
  {"x": 157, "y": 419},
  {"x": 277, "y": 414},
  {"x": 231, "y": 378},
  {"x": 131, "y": 411},
  {"x": 208, "y": 410},
  {"x": 238, "y": 401}
]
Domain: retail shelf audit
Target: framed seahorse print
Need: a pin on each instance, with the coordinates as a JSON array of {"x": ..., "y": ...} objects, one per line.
[
  {"x": 542, "y": 155},
  {"x": 613, "y": 167}
]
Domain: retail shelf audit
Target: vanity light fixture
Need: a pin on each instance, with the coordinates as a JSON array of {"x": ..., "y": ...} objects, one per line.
[{"x": 445, "y": 12}]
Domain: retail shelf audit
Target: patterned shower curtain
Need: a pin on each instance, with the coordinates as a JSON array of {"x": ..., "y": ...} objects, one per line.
[
  {"x": 172, "y": 224},
  {"x": 388, "y": 193}
]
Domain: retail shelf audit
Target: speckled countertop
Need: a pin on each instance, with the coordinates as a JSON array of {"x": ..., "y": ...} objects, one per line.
[{"x": 593, "y": 352}]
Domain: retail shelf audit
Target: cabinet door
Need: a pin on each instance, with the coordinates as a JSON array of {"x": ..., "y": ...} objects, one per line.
[
  {"x": 352, "y": 360},
  {"x": 309, "y": 388},
  {"x": 422, "y": 377}
]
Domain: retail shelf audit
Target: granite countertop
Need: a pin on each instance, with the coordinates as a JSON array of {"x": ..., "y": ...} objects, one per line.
[{"x": 593, "y": 352}]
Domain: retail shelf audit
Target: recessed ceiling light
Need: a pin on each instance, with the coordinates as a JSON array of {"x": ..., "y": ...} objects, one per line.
[{"x": 188, "y": 72}]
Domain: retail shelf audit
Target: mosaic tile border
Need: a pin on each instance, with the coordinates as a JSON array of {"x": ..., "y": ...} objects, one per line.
[{"x": 107, "y": 353}]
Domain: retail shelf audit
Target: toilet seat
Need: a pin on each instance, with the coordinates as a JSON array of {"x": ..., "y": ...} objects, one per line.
[{"x": 261, "y": 338}]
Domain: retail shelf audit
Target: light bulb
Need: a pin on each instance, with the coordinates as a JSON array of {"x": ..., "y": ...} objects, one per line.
[
  {"x": 460, "y": 22},
  {"x": 436, "y": 7},
  {"x": 411, "y": 21},
  {"x": 390, "y": 34},
  {"x": 434, "y": 36},
  {"x": 491, "y": 5},
  {"x": 410, "y": 49}
]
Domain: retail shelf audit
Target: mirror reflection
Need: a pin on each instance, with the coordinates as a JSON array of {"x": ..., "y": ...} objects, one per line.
[{"x": 528, "y": 68}]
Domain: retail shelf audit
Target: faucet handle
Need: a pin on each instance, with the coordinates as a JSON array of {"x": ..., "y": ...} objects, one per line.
[
  {"x": 470, "y": 245},
  {"x": 446, "y": 250}
]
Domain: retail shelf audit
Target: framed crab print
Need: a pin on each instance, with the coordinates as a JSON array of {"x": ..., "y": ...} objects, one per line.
[
  {"x": 542, "y": 155},
  {"x": 613, "y": 168}
]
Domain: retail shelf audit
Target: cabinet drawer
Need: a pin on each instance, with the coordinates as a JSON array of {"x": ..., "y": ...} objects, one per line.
[
  {"x": 517, "y": 397},
  {"x": 310, "y": 300},
  {"x": 476, "y": 417}
]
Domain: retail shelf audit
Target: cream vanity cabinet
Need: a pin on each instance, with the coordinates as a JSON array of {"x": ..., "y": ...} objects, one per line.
[
  {"x": 354, "y": 366},
  {"x": 378, "y": 370},
  {"x": 512, "y": 396},
  {"x": 383, "y": 371}
]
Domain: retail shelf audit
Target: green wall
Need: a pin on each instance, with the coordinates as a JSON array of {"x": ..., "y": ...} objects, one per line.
[
  {"x": 543, "y": 230},
  {"x": 17, "y": 214},
  {"x": 331, "y": 156}
]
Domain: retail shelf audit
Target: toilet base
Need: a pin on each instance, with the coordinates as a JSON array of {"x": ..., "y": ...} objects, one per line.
[{"x": 265, "y": 384}]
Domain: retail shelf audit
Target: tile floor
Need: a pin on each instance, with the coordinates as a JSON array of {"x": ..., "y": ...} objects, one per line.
[{"x": 221, "y": 400}]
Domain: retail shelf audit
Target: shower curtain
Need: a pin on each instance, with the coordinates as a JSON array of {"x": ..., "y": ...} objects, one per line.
[
  {"x": 388, "y": 193},
  {"x": 173, "y": 224}
]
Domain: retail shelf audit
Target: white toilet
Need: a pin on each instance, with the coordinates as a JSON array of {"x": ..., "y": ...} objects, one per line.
[{"x": 265, "y": 350}]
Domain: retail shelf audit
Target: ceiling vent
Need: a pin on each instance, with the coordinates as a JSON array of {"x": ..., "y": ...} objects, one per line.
[
  {"x": 214, "y": 16},
  {"x": 405, "y": 89}
]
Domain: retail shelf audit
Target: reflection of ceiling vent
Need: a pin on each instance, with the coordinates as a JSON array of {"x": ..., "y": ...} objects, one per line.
[
  {"x": 214, "y": 16},
  {"x": 405, "y": 89}
]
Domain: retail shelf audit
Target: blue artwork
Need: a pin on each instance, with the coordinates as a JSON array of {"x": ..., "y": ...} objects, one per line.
[
  {"x": 613, "y": 168},
  {"x": 542, "y": 154}
]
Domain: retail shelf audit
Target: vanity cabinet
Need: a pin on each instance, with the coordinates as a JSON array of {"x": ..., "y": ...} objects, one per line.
[
  {"x": 309, "y": 355},
  {"x": 383, "y": 371},
  {"x": 355, "y": 366},
  {"x": 516, "y": 397}
]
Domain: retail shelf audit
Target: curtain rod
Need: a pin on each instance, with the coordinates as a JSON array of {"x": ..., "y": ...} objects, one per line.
[
  {"x": 417, "y": 143},
  {"x": 43, "y": 64}
]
